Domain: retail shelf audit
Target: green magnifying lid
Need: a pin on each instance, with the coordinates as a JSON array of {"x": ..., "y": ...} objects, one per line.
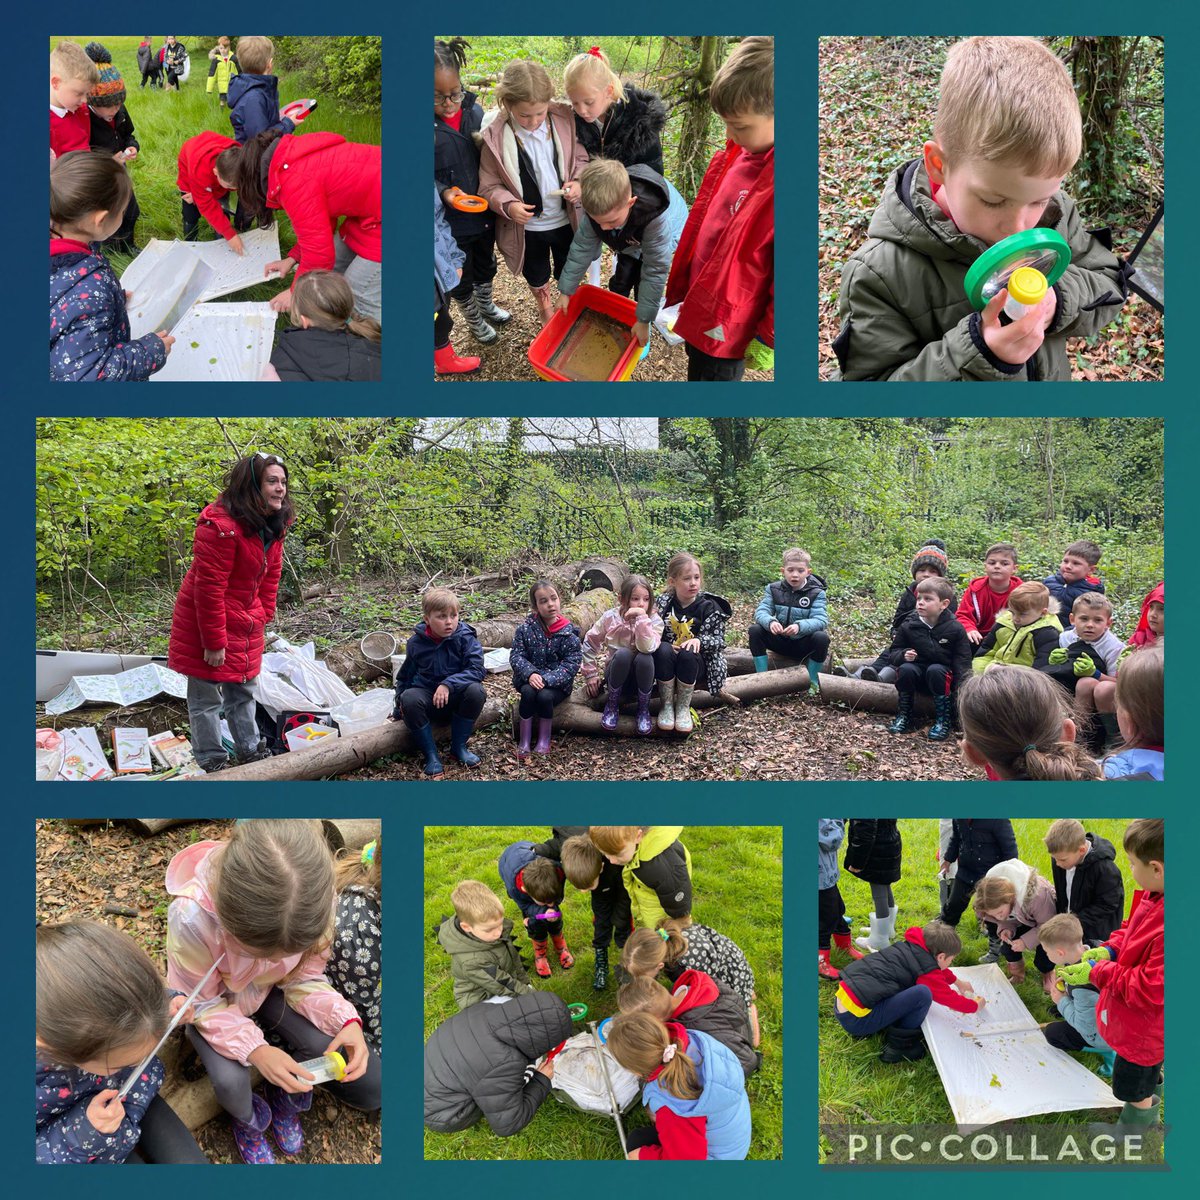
[{"x": 1045, "y": 250}]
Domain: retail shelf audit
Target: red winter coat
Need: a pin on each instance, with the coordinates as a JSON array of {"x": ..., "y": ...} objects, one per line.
[
  {"x": 979, "y": 604},
  {"x": 1129, "y": 1013},
  {"x": 226, "y": 600},
  {"x": 197, "y": 174},
  {"x": 734, "y": 291},
  {"x": 318, "y": 178},
  {"x": 1144, "y": 635}
]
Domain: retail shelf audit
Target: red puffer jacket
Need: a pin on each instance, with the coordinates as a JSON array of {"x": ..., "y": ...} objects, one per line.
[
  {"x": 730, "y": 299},
  {"x": 318, "y": 178},
  {"x": 1129, "y": 1013},
  {"x": 226, "y": 600},
  {"x": 197, "y": 175}
]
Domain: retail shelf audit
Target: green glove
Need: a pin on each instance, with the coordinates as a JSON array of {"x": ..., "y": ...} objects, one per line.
[
  {"x": 1084, "y": 666},
  {"x": 1124, "y": 655},
  {"x": 1099, "y": 954},
  {"x": 759, "y": 356},
  {"x": 1058, "y": 656},
  {"x": 1076, "y": 974}
]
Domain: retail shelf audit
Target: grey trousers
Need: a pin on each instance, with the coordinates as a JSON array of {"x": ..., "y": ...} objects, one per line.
[
  {"x": 205, "y": 701},
  {"x": 231, "y": 1081},
  {"x": 364, "y": 277}
]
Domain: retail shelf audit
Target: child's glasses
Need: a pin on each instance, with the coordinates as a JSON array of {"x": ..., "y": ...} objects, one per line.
[{"x": 451, "y": 98}]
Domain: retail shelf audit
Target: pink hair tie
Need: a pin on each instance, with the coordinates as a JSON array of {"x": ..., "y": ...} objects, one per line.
[
  {"x": 669, "y": 1052},
  {"x": 595, "y": 51}
]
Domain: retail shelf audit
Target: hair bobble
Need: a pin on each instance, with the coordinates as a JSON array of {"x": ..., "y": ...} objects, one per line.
[
  {"x": 368, "y": 854},
  {"x": 669, "y": 1052},
  {"x": 595, "y": 51},
  {"x": 662, "y": 933},
  {"x": 1027, "y": 747}
]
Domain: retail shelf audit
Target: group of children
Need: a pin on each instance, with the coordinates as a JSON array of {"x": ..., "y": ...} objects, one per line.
[
  {"x": 1020, "y": 685},
  {"x": 563, "y": 180},
  {"x": 334, "y": 334},
  {"x": 1102, "y": 975},
  {"x": 1073, "y": 682},
  {"x": 693, "y": 1044},
  {"x": 295, "y": 940}
]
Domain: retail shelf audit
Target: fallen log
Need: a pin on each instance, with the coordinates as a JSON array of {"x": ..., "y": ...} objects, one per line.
[
  {"x": 341, "y": 756},
  {"x": 741, "y": 662},
  {"x": 350, "y": 834},
  {"x": 596, "y": 573},
  {"x": 152, "y": 825},
  {"x": 584, "y": 610}
]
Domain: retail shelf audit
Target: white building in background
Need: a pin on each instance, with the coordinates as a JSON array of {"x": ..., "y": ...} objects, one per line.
[{"x": 547, "y": 434}]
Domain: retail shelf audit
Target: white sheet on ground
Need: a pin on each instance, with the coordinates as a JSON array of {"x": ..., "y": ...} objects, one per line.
[
  {"x": 229, "y": 271},
  {"x": 225, "y": 343},
  {"x": 129, "y": 687},
  {"x": 1004, "y": 1076},
  {"x": 164, "y": 283},
  {"x": 577, "y": 1073}
]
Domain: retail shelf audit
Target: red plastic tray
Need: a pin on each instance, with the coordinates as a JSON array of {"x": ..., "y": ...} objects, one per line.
[{"x": 599, "y": 300}]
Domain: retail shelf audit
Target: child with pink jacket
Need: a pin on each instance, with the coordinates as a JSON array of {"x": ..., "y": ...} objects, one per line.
[
  {"x": 1018, "y": 901},
  {"x": 262, "y": 904},
  {"x": 631, "y": 632}
]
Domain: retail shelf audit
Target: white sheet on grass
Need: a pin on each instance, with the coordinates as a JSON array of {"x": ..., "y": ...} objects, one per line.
[
  {"x": 164, "y": 283},
  {"x": 222, "y": 342},
  {"x": 1007, "y": 1075}
]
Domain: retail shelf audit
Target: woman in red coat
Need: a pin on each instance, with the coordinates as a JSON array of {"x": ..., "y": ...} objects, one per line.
[
  {"x": 318, "y": 179},
  {"x": 225, "y": 603}
]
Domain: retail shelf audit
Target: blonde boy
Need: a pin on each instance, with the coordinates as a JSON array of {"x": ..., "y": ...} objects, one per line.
[
  {"x": 1006, "y": 132},
  {"x": 1061, "y": 938},
  {"x": 791, "y": 618},
  {"x": 72, "y": 77},
  {"x": 484, "y": 960},
  {"x": 442, "y": 674},
  {"x": 656, "y": 869}
]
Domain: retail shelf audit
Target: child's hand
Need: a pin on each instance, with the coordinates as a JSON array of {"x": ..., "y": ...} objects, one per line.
[
  {"x": 692, "y": 644},
  {"x": 119, "y": 156},
  {"x": 641, "y": 331},
  {"x": 980, "y": 1003},
  {"x": 547, "y": 1068},
  {"x": 214, "y": 658},
  {"x": 282, "y": 302},
  {"x": 775, "y": 627},
  {"x": 965, "y": 987},
  {"x": 637, "y": 608},
  {"x": 944, "y": 869},
  {"x": 1076, "y": 974},
  {"x": 1018, "y": 944},
  {"x": 974, "y": 637},
  {"x": 1016, "y": 343},
  {"x": 131, "y": 152},
  {"x": 793, "y": 630},
  {"x": 593, "y": 685},
  {"x": 458, "y": 270},
  {"x": 441, "y": 697},
  {"x": 236, "y": 245},
  {"x": 1006, "y": 935},
  {"x": 187, "y": 197},
  {"x": 177, "y": 1002},
  {"x": 521, "y": 213},
  {"x": 280, "y": 1068},
  {"x": 635, "y": 1154},
  {"x": 571, "y": 191},
  {"x": 168, "y": 341},
  {"x": 281, "y": 267},
  {"x": 105, "y": 1111},
  {"x": 910, "y": 655},
  {"x": 449, "y": 194},
  {"x": 563, "y": 303},
  {"x": 536, "y": 682},
  {"x": 353, "y": 1046},
  {"x": 53, "y": 156}
]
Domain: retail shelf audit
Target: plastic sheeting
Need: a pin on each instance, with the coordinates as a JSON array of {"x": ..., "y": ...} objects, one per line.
[
  {"x": 291, "y": 677},
  {"x": 1008, "y": 1070},
  {"x": 228, "y": 272},
  {"x": 164, "y": 283},
  {"x": 578, "y": 1075},
  {"x": 221, "y": 343}
]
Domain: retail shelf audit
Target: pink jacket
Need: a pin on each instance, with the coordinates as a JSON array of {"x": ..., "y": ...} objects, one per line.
[
  {"x": 241, "y": 983},
  {"x": 1032, "y": 909},
  {"x": 615, "y": 632}
]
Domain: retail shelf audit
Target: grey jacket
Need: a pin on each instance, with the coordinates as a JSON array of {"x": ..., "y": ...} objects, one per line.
[{"x": 903, "y": 304}]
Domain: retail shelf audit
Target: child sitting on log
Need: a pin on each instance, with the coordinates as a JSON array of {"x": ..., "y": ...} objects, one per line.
[
  {"x": 545, "y": 658},
  {"x": 631, "y": 634},
  {"x": 693, "y": 641},
  {"x": 442, "y": 671},
  {"x": 791, "y": 618}
]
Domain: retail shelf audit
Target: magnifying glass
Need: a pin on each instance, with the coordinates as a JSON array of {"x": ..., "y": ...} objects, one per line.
[{"x": 1043, "y": 250}]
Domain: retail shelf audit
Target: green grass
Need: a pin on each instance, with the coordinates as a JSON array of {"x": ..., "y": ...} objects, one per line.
[
  {"x": 854, "y": 1087},
  {"x": 163, "y": 121},
  {"x": 737, "y": 878}
]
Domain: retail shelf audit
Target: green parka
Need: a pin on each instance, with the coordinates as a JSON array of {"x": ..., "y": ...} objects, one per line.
[
  {"x": 483, "y": 969},
  {"x": 903, "y": 304},
  {"x": 1029, "y": 646}
]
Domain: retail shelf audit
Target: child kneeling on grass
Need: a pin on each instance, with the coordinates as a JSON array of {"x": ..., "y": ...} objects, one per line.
[
  {"x": 695, "y": 1090},
  {"x": 893, "y": 988},
  {"x": 329, "y": 342},
  {"x": 484, "y": 959},
  {"x": 1062, "y": 939},
  {"x": 443, "y": 669},
  {"x": 1016, "y": 900}
]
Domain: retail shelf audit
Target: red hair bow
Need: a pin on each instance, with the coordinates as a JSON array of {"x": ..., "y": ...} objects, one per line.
[{"x": 595, "y": 51}]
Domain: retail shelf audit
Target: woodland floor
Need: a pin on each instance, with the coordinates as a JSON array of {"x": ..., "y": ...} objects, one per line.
[{"x": 80, "y": 869}]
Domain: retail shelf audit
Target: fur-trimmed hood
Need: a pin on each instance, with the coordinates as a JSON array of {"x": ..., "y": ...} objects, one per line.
[{"x": 630, "y": 132}]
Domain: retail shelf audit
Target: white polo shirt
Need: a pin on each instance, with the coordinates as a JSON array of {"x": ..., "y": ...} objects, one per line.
[{"x": 539, "y": 145}]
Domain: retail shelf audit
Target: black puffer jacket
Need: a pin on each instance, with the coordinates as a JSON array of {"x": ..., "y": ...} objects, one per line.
[
  {"x": 873, "y": 850},
  {"x": 871, "y": 980},
  {"x": 115, "y": 137},
  {"x": 704, "y": 618},
  {"x": 946, "y": 645},
  {"x": 475, "y": 1063},
  {"x": 1097, "y": 891},
  {"x": 630, "y": 132},
  {"x": 977, "y": 844},
  {"x": 326, "y": 356},
  {"x": 712, "y": 1007},
  {"x": 456, "y": 164}
]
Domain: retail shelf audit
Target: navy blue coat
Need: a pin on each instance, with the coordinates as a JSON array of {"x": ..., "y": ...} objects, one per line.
[
  {"x": 978, "y": 844},
  {"x": 554, "y": 656},
  {"x": 65, "y": 1135},
  {"x": 513, "y": 861},
  {"x": 89, "y": 325},
  {"x": 254, "y": 106},
  {"x": 1067, "y": 593},
  {"x": 456, "y": 164},
  {"x": 456, "y": 661}
]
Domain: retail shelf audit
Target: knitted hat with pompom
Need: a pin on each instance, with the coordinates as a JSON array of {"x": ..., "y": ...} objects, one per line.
[
  {"x": 110, "y": 90},
  {"x": 932, "y": 554}
]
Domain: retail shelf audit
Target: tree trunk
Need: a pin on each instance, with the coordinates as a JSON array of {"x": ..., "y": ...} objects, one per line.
[
  {"x": 607, "y": 573},
  {"x": 344, "y": 755},
  {"x": 1101, "y": 68},
  {"x": 693, "y": 152},
  {"x": 350, "y": 834},
  {"x": 152, "y": 825}
]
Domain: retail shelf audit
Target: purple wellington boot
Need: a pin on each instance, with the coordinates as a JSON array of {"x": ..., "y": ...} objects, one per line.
[
  {"x": 251, "y": 1139},
  {"x": 612, "y": 703},
  {"x": 285, "y": 1120},
  {"x": 545, "y": 729}
]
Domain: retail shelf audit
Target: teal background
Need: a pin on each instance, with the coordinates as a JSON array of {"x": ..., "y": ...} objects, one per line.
[{"x": 409, "y": 390}]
